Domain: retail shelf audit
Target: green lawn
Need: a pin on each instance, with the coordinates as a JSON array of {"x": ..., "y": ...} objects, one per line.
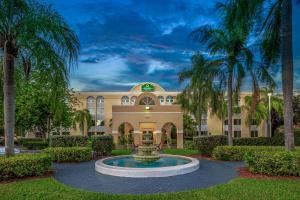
[
  {"x": 183, "y": 152},
  {"x": 49, "y": 188},
  {"x": 119, "y": 152}
]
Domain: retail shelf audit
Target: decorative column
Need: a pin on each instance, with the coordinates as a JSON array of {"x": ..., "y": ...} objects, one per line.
[
  {"x": 137, "y": 137},
  {"x": 179, "y": 139},
  {"x": 157, "y": 137},
  {"x": 115, "y": 135}
]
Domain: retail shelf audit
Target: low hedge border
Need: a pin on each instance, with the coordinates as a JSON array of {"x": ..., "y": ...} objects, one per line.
[
  {"x": 35, "y": 145},
  {"x": 23, "y": 165},
  {"x": 68, "y": 141},
  {"x": 237, "y": 153},
  {"x": 69, "y": 154},
  {"x": 282, "y": 163}
]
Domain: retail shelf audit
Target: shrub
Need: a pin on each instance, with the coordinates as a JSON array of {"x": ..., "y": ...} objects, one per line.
[
  {"x": 188, "y": 144},
  {"x": 237, "y": 153},
  {"x": 206, "y": 144},
  {"x": 24, "y": 165},
  {"x": 35, "y": 145},
  {"x": 102, "y": 145},
  {"x": 280, "y": 163},
  {"x": 68, "y": 141},
  {"x": 69, "y": 154}
]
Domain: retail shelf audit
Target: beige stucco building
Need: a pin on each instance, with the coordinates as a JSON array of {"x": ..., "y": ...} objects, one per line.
[{"x": 148, "y": 107}]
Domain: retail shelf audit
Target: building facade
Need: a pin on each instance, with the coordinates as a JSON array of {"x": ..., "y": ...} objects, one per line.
[{"x": 147, "y": 107}]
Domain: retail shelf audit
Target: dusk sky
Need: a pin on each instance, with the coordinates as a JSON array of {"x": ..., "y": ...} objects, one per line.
[{"x": 124, "y": 42}]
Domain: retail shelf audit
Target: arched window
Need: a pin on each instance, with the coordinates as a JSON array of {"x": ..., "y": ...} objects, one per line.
[
  {"x": 133, "y": 99},
  {"x": 147, "y": 101},
  {"x": 169, "y": 100},
  {"x": 100, "y": 109},
  {"x": 161, "y": 99},
  {"x": 125, "y": 100},
  {"x": 91, "y": 105}
]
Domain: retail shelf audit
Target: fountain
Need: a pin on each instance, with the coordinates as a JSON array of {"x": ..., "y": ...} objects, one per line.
[
  {"x": 146, "y": 163},
  {"x": 147, "y": 152}
]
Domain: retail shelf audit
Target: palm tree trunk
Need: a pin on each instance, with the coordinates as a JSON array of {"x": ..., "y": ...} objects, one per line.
[
  {"x": 9, "y": 100},
  {"x": 229, "y": 108},
  {"x": 287, "y": 72}
]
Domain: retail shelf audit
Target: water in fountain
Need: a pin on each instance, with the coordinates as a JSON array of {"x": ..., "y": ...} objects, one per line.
[{"x": 147, "y": 152}]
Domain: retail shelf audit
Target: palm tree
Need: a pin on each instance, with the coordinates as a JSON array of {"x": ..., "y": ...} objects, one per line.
[
  {"x": 194, "y": 98},
  {"x": 37, "y": 35},
  {"x": 276, "y": 44},
  {"x": 84, "y": 120},
  {"x": 261, "y": 112}
]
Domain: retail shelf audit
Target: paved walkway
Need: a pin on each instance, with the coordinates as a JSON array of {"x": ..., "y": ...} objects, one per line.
[{"x": 83, "y": 176}]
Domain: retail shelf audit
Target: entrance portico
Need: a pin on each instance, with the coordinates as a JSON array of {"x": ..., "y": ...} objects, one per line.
[{"x": 148, "y": 115}]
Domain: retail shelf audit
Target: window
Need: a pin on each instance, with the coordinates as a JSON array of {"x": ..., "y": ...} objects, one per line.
[
  {"x": 147, "y": 101},
  {"x": 100, "y": 109},
  {"x": 226, "y": 122},
  {"x": 169, "y": 100},
  {"x": 204, "y": 133},
  {"x": 133, "y": 99},
  {"x": 254, "y": 133},
  {"x": 237, "y": 121},
  {"x": 237, "y": 134},
  {"x": 161, "y": 99},
  {"x": 125, "y": 100},
  {"x": 91, "y": 105},
  {"x": 226, "y": 133},
  {"x": 253, "y": 122},
  {"x": 204, "y": 121}
]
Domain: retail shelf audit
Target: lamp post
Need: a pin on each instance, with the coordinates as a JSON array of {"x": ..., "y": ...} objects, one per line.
[{"x": 269, "y": 118}]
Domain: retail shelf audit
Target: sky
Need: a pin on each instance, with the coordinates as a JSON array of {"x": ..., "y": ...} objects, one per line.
[{"x": 125, "y": 42}]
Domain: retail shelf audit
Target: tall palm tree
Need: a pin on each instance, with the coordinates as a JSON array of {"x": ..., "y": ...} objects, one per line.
[
  {"x": 84, "y": 120},
  {"x": 195, "y": 97},
  {"x": 276, "y": 44},
  {"x": 37, "y": 34}
]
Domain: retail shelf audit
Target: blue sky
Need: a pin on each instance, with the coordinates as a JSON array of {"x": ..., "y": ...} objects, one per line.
[{"x": 124, "y": 42}]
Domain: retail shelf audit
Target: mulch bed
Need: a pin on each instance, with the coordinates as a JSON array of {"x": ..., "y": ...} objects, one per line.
[
  {"x": 46, "y": 175},
  {"x": 245, "y": 173}
]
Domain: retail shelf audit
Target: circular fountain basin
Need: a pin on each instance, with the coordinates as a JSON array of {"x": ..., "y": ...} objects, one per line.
[{"x": 127, "y": 166}]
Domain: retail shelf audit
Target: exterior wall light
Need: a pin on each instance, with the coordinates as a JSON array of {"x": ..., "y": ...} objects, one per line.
[{"x": 147, "y": 108}]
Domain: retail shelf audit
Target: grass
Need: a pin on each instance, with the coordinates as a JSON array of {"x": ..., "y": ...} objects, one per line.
[
  {"x": 119, "y": 152},
  {"x": 182, "y": 152},
  {"x": 50, "y": 189}
]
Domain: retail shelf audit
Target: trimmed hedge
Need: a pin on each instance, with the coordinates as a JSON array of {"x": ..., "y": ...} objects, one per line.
[
  {"x": 36, "y": 145},
  {"x": 68, "y": 141},
  {"x": 69, "y": 154},
  {"x": 102, "y": 145},
  {"x": 237, "y": 153},
  {"x": 281, "y": 163},
  {"x": 23, "y": 165},
  {"x": 206, "y": 144}
]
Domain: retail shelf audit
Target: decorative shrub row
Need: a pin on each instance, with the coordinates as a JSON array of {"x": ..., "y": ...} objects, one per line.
[
  {"x": 237, "y": 153},
  {"x": 282, "y": 163},
  {"x": 68, "y": 141},
  {"x": 35, "y": 145},
  {"x": 206, "y": 144},
  {"x": 69, "y": 154},
  {"x": 102, "y": 145},
  {"x": 24, "y": 165}
]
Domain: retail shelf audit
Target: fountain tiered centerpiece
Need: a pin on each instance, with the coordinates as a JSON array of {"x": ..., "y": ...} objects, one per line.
[{"x": 147, "y": 152}]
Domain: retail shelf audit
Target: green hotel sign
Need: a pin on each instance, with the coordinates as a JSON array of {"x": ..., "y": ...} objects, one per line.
[{"x": 147, "y": 87}]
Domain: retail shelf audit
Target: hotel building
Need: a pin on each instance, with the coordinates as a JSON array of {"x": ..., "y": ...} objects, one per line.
[{"x": 148, "y": 107}]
